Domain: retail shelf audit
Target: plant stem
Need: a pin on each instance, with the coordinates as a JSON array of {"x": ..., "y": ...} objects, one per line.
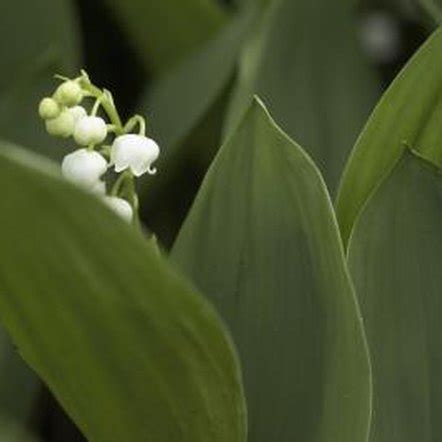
[
  {"x": 106, "y": 103},
  {"x": 124, "y": 186},
  {"x": 136, "y": 119}
]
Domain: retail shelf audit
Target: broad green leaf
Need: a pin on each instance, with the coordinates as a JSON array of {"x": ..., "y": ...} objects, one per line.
[
  {"x": 128, "y": 347},
  {"x": 408, "y": 114},
  {"x": 262, "y": 242},
  {"x": 395, "y": 253},
  {"x": 179, "y": 99},
  {"x": 303, "y": 59},
  {"x": 37, "y": 40},
  {"x": 163, "y": 31}
]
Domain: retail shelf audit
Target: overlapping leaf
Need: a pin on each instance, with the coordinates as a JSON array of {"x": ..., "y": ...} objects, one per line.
[
  {"x": 395, "y": 253},
  {"x": 408, "y": 114},
  {"x": 37, "y": 40},
  {"x": 179, "y": 100},
  {"x": 126, "y": 345},
  {"x": 11, "y": 432},
  {"x": 164, "y": 31},
  {"x": 18, "y": 385},
  {"x": 303, "y": 59},
  {"x": 262, "y": 242}
]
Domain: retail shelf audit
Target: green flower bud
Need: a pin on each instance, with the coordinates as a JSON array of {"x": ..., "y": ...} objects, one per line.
[
  {"x": 69, "y": 93},
  {"x": 62, "y": 126},
  {"x": 48, "y": 109}
]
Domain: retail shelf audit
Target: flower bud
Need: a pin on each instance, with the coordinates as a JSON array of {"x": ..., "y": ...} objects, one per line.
[
  {"x": 84, "y": 167},
  {"x": 69, "y": 93},
  {"x": 77, "y": 112},
  {"x": 62, "y": 126},
  {"x": 90, "y": 131},
  {"x": 48, "y": 109},
  {"x": 134, "y": 152},
  {"x": 121, "y": 207}
]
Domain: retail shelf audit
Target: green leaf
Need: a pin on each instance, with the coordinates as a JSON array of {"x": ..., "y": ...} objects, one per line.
[
  {"x": 303, "y": 59},
  {"x": 29, "y": 29},
  {"x": 37, "y": 39},
  {"x": 395, "y": 253},
  {"x": 11, "y": 432},
  {"x": 408, "y": 114},
  {"x": 163, "y": 31},
  {"x": 179, "y": 99},
  {"x": 128, "y": 347},
  {"x": 18, "y": 385},
  {"x": 262, "y": 242}
]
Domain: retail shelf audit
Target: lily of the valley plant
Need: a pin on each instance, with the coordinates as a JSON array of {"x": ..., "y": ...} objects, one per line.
[
  {"x": 105, "y": 144},
  {"x": 290, "y": 307}
]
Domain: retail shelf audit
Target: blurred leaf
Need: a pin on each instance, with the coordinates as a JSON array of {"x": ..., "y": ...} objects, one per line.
[
  {"x": 395, "y": 253},
  {"x": 180, "y": 98},
  {"x": 409, "y": 113},
  {"x": 303, "y": 59},
  {"x": 125, "y": 344},
  {"x": 18, "y": 385},
  {"x": 34, "y": 27},
  {"x": 11, "y": 432},
  {"x": 37, "y": 40},
  {"x": 164, "y": 31},
  {"x": 432, "y": 9},
  {"x": 262, "y": 242}
]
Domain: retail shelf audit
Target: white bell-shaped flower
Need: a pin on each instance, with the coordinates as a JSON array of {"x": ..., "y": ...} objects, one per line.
[
  {"x": 120, "y": 206},
  {"x": 90, "y": 130},
  {"x": 84, "y": 167},
  {"x": 134, "y": 152}
]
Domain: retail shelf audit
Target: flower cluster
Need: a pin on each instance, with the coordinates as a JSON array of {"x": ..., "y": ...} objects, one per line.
[{"x": 108, "y": 152}]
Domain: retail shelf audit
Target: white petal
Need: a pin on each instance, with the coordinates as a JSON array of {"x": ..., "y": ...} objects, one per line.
[
  {"x": 84, "y": 167},
  {"x": 120, "y": 206},
  {"x": 135, "y": 152},
  {"x": 90, "y": 130}
]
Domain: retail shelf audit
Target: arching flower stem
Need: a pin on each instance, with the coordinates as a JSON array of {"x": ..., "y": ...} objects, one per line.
[
  {"x": 125, "y": 186},
  {"x": 132, "y": 122}
]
